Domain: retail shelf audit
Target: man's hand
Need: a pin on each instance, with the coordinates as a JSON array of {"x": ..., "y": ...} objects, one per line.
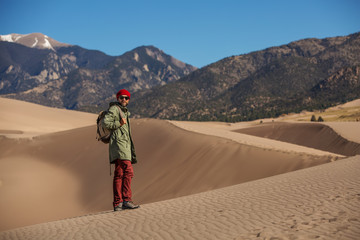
[{"x": 122, "y": 121}]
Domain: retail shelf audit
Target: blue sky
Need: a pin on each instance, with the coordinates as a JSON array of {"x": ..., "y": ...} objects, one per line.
[{"x": 198, "y": 32}]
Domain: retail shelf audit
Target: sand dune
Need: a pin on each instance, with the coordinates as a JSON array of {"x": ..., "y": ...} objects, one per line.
[
  {"x": 62, "y": 172},
  {"x": 354, "y": 103},
  {"x": 314, "y": 203},
  {"x": 23, "y": 119},
  {"x": 347, "y": 130},
  {"x": 232, "y": 131},
  {"x": 312, "y": 135},
  {"x": 66, "y": 174}
]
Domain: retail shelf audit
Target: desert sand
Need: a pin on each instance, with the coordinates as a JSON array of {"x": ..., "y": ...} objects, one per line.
[
  {"x": 314, "y": 203},
  {"x": 193, "y": 180}
]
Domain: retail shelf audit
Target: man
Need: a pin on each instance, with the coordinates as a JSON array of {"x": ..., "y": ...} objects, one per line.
[{"x": 121, "y": 150}]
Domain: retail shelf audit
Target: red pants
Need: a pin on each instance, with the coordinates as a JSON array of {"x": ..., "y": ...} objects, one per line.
[{"x": 122, "y": 181}]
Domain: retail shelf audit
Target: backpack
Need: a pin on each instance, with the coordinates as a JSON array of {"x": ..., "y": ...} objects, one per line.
[{"x": 103, "y": 134}]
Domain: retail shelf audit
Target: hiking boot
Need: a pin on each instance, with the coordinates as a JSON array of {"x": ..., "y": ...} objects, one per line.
[
  {"x": 129, "y": 205},
  {"x": 118, "y": 207}
]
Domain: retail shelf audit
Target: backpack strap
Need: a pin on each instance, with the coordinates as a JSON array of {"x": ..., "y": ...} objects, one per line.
[{"x": 121, "y": 112}]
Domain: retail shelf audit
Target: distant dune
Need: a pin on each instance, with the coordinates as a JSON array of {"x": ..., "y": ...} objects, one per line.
[
  {"x": 312, "y": 135},
  {"x": 59, "y": 173},
  {"x": 31, "y": 119}
]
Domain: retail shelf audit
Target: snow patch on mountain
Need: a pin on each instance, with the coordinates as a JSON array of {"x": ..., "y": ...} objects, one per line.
[
  {"x": 6, "y": 38},
  {"x": 47, "y": 44},
  {"x": 33, "y": 40},
  {"x": 35, "y": 43}
]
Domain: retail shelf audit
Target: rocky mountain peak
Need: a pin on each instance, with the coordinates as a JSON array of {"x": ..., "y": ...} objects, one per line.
[{"x": 33, "y": 40}]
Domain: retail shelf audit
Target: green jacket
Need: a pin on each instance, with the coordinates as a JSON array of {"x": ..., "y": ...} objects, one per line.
[{"x": 121, "y": 145}]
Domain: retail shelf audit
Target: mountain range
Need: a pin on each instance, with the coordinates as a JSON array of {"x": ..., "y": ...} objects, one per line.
[
  {"x": 68, "y": 76},
  {"x": 305, "y": 74}
]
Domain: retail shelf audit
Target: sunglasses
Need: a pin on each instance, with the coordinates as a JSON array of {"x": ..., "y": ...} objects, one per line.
[{"x": 124, "y": 97}]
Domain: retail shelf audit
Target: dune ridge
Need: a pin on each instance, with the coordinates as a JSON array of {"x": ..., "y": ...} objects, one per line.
[
  {"x": 312, "y": 135},
  {"x": 315, "y": 203},
  {"x": 228, "y": 131}
]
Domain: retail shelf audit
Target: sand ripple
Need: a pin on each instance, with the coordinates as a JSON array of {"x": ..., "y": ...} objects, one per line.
[{"x": 314, "y": 203}]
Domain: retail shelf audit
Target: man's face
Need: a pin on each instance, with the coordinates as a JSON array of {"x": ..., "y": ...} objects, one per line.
[{"x": 124, "y": 100}]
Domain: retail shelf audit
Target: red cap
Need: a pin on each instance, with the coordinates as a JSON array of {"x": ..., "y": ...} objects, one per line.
[{"x": 123, "y": 92}]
